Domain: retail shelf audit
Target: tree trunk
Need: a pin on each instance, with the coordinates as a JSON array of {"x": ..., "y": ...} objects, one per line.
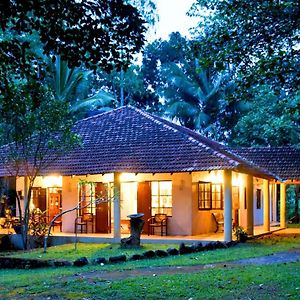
[{"x": 136, "y": 226}]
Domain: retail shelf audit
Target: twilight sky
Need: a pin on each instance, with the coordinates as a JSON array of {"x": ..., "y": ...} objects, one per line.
[{"x": 172, "y": 14}]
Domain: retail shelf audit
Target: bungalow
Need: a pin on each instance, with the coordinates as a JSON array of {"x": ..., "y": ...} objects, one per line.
[{"x": 150, "y": 166}]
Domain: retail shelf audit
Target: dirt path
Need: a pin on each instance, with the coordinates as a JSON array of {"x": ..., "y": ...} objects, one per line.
[{"x": 277, "y": 258}]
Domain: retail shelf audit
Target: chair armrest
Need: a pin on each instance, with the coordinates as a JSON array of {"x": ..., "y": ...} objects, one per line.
[
  {"x": 164, "y": 221},
  {"x": 151, "y": 220}
]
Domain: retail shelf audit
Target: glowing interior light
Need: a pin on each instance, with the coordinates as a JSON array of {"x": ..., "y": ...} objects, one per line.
[
  {"x": 216, "y": 177},
  {"x": 128, "y": 177},
  {"x": 237, "y": 180},
  {"x": 52, "y": 181}
]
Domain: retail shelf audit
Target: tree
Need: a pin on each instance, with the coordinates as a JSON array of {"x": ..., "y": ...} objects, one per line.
[
  {"x": 36, "y": 130},
  {"x": 35, "y": 125},
  {"x": 193, "y": 96},
  {"x": 259, "y": 40},
  {"x": 268, "y": 120},
  {"x": 74, "y": 86},
  {"x": 94, "y": 33},
  {"x": 128, "y": 88}
]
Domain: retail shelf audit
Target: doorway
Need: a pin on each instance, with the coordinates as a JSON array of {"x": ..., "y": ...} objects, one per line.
[
  {"x": 54, "y": 202},
  {"x": 39, "y": 198},
  {"x": 103, "y": 209},
  {"x": 144, "y": 202}
]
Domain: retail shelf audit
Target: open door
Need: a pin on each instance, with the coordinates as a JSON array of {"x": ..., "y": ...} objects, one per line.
[
  {"x": 144, "y": 201},
  {"x": 54, "y": 202},
  {"x": 39, "y": 198},
  {"x": 103, "y": 222}
]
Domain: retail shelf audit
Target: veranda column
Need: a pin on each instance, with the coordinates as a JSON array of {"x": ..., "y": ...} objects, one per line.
[
  {"x": 266, "y": 205},
  {"x": 227, "y": 205},
  {"x": 282, "y": 205},
  {"x": 274, "y": 203},
  {"x": 26, "y": 187},
  {"x": 249, "y": 202},
  {"x": 117, "y": 209}
]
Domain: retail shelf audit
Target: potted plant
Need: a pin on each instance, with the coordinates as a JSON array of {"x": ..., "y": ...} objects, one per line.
[
  {"x": 241, "y": 234},
  {"x": 38, "y": 227}
]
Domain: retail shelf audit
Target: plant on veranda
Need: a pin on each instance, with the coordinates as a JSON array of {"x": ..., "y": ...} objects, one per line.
[{"x": 240, "y": 233}]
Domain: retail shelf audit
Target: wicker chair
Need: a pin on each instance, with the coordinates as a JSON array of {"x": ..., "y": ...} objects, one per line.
[
  {"x": 158, "y": 221},
  {"x": 83, "y": 222},
  {"x": 219, "y": 219}
]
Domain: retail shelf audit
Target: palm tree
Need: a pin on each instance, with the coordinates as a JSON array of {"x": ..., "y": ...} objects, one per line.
[
  {"x": 73, "y": 85},
  {"x": 195, "y": 97}
]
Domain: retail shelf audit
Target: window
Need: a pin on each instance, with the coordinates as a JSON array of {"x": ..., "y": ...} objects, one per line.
[
  {"x": 86, "y": 198},
  {"x": 258, "y": 198},
  {"x": 88, "y": 194},
  {"x": 204, "y": 192},
  {"x": 210, "y": 195},
  {"x": 217, "y": 196},
  {"x": 235, "y": 197},
  {"x": 245, "y": 198},
  {"x": 161, "y": 197}
]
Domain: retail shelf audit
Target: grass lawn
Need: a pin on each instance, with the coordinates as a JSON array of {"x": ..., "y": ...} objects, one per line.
[
  {"x": 293, "y": 225},
  {"x": 255, "y": 282}
]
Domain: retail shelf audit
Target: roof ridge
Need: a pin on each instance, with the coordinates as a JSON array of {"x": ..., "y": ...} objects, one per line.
[
  {"x": 187, "y": 132},
  {"x": 101, "y": 114},
  {"x": 223, "y": 151}
]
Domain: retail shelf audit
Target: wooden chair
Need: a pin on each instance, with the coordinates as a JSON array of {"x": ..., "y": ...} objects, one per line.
[
  {"x": 158, "y": 221},
  {"x": 57, "y": 223},
  {"x": 83, "y": 222},
  {"x": 219, "y": 219}
]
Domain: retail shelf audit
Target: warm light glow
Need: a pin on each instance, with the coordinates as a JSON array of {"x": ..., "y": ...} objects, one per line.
[
  {"x": 31, "y": 206},
  {"x": 108, "y": 177},
  {"x": 216, "y": 177},
  {"x": 52, "y": 181},
  {"x": 128, "y": 177},
  {"x": 237, "y": 179}
]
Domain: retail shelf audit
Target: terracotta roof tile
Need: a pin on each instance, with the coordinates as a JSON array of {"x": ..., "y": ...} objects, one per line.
[
  {"x": 282, "y": 161},
  {"x": 130, "y": 140}
]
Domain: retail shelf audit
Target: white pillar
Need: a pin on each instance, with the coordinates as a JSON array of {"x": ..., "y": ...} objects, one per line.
[
  {"x": 283, "y": 205},
  {"x": 117, "y": 208},
  {"x": 227, "y": 205},
  {"x": 266, "y": 205},
  {"x": 249, "y": 201},
  {"x": 26, "y": 188}
]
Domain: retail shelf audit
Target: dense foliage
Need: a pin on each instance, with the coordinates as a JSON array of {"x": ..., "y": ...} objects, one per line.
[
  {"x": 35, "y": 101},
  {"x": 268, "y": 120},
  {"x": 94, "y": 33},
  {"x": 258, "y": 40}
]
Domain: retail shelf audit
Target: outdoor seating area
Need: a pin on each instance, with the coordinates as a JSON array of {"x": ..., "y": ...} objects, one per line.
[
  {"x": 219, "y": 219},
  {"x": 158, "y": 221},
  {"x": 82, "y": 222}
]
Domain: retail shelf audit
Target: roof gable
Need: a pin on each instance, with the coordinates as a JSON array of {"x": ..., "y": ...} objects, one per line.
[{"x": 130, "y": 140}]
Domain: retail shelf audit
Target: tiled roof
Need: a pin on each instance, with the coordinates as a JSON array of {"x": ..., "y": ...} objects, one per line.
[
  {"x": 282, "y": 161},
  {"x": 130, "y": 140}
]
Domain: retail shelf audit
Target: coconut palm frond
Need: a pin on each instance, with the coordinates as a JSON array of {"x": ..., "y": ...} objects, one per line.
[{"x": 99, "y": 100}]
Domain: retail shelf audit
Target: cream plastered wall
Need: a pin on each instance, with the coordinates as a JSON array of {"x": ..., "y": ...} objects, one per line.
[
  {"x": 179, "y": 224},
  {"x": 40, "y": 181},
  {"x": 70, "y": 196},
  {"x": 181, "y": 221},
  {"x": 203, "y": 221}
]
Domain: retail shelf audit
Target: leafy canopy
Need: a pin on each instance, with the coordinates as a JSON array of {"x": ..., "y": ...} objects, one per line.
[
  {"x": 95, "y": 33},
  {"x": 269, "y": 120},
  {"x": 258, "y": 39}
]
